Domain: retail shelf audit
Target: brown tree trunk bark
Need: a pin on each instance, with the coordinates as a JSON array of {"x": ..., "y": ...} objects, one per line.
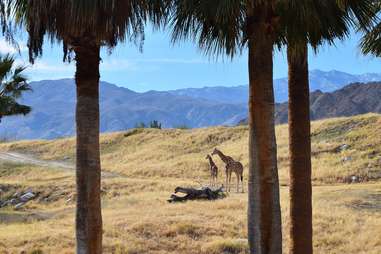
[
  {"x": 88, "y": 168},
  {"x": 300, "y": 151},
  {"x": 264, "y": 215}
]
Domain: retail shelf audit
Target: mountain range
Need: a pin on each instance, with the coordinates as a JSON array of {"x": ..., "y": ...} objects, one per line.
[
  {"x": 325, "y": 81},
  {"x": 354, "y": 99},
  {"x": 53, "y": 104}
]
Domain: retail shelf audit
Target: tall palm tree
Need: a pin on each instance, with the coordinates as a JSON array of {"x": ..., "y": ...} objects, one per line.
[
  {"x": 302, "y": 26},
  {"x": 228, "y": 27},
  {"x": 83, "y": 27},
  {"x": 12, "y": 85}
]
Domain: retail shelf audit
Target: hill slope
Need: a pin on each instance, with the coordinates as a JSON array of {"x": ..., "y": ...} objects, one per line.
[
  {"x": 181, "y": 153},
  {"x": 354, "y": 99},
  {"x": 147, "y": 166}
]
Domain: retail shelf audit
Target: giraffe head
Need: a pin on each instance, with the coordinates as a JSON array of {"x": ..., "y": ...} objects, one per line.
[
  {"x": 215, "y": 151},
  {"x": 207, "y": 156}
]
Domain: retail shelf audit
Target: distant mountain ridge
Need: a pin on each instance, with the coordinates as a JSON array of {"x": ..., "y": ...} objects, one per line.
[
  {"x": 354, "y": 99},
  {"x": 319, "y": 80},
  {"x": 53, "y": 103}
]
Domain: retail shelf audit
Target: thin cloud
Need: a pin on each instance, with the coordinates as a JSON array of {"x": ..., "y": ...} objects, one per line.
[
  {"x": 117, "y": 65},
  {"x": 42, "y": 66},
  {"x": 171, "y": 60},
  {"x": 6, "y": 48},
  {"x": 45, "y": 70}
]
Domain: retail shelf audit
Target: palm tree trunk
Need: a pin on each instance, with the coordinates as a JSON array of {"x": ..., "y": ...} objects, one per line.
[
  {"x": 264, "y": 218},
  {"x": 300, "y": 151},
  {"x": 88, "y": 169}
]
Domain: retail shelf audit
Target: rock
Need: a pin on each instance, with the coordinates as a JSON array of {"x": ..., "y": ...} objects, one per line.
[
  {"x": 374, "y": 174},
  {"x": 372, "y": 154},
  {"x": 12, "y": 201},
  {"x": 19, "y": 205},
  {"x": 15, "y": 195},
  {"x": 3, "y": 203},
  {"x": 348, "y": 158},
  {"x": 341, "y": 148},
  {"x": 355, "y": 179},
  {"x": 27, "y": 196}
]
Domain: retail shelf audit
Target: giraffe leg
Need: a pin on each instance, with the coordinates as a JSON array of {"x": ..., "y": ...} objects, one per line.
[
  {"x": 242, "y": 183},
  {"x": 230, "y": 179},
  {"x": 237, "y": 185},
  {"x": 226, "y": 180}
]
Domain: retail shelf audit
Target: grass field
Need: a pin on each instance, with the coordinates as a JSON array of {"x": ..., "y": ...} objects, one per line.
[{"x": 148, "y": 165}]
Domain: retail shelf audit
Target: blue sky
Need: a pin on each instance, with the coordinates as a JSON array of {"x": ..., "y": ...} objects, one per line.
[{"x": 163, "y": 66}]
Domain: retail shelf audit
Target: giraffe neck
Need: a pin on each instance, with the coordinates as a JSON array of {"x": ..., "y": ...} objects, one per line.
[
  {"x": 223, "y": 157},
  {"x": 211, "y": 162}
]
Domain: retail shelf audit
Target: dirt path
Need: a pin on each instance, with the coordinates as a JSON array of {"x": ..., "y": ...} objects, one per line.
[{"x": 30, "y": 160}]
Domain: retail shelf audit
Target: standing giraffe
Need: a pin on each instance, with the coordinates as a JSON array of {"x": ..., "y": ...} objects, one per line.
[
  {"x": 213, "y": 170},
  {"x": 231, "y": 166}
]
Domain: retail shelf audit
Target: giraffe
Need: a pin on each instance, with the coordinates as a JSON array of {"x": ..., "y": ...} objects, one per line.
[
  {"x": 213, "y": 170},
  {"x": 231, "y": 166}
]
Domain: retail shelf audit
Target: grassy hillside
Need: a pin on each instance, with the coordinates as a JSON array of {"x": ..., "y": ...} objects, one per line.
[
  {"x": 148, "y": 164},
  {"x": 153, "y": 153}
]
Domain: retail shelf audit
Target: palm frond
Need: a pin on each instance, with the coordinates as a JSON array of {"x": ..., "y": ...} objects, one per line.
[
  {"x": 371, "y": 41},
  {"x": 220, "y": 26},
  {"x": 319, "y": 22},
  {"x": 6, "y": 64},
  {"x": 106, "y": 21},
  {"x": 217, "y": 26},
  {"x": 9, "y": 106},
  {"x": 12, "y": 80}
]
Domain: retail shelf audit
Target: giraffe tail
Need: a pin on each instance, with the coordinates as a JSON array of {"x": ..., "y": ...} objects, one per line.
[{"x": 241, "y": 178}]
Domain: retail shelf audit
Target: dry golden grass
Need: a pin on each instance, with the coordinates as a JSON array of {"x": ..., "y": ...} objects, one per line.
[
  {"x": 152, "y": 153},
  {"x": 137, "y": 218}
]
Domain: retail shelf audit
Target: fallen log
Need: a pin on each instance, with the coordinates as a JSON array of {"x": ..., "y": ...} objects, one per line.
[{"x": 193, "y": 194}]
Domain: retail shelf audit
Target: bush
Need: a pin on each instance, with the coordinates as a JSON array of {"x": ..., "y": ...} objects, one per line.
[
  {"x": 182, "y": 127},
  {"x": 155, "y": 124},
  {"x": 140, "y": 125},
  {"x": 226, "y": 246}
]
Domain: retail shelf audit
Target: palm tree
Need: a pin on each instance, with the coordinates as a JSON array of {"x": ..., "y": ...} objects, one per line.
[
  {"x": 228, "y": 27},
  {"x": 12, "y": 85},
  {"x": 302, "y": 26},
  {"x": 83, "y": 27}
]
